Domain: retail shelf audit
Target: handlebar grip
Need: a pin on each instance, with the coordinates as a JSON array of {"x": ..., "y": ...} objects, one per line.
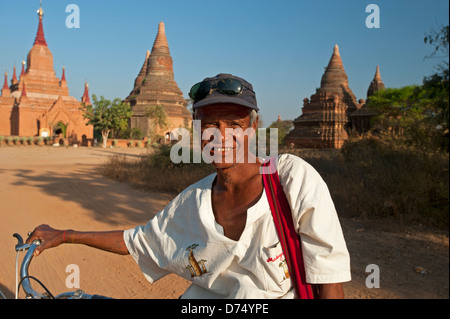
[{"x": 19, "y": 239}]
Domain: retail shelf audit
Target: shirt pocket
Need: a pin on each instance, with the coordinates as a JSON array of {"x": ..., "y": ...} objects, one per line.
[{"x": 275, "y": 269}]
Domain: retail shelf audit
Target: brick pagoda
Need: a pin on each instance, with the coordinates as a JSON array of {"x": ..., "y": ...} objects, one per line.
[
  {"x": 325, "y": 120},
  {"x": 155, "y": 85}
]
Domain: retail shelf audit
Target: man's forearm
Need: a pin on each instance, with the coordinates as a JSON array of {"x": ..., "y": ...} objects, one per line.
[{"x": 111, "y": 241}]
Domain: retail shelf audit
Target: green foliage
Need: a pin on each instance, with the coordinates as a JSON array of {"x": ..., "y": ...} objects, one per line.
[
  {"x": 63, "y": 127},
  {"x": 283, "y": 129},
  {"x": 159, "y": 117},
  {"x": 106, "y": 115},
  {"x": 414, "y": 115}
]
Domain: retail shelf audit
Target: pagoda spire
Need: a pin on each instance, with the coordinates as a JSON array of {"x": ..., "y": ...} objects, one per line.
[
  {"x": 335, "y": 81},
  {"x": 40, "y": 38},
  {"x": 336, "y": 60},
  {"x": 63, "y": 77},
  {"x": 334, "y": 78},
  {"x": 377, "y": 74},
  {"x": 376, "y": 84},
  {"x": 5, "y": 84},
  {"x": 142, "y": 74},
  {"x": 161, "y": 44},
  {"x": 85, "y": 98},
  {"x": 334, "y": 75},
  {"x": 5, "y": 90},
  {"x": 23, "y": 70},
  {"x": 14, "y": 77}
]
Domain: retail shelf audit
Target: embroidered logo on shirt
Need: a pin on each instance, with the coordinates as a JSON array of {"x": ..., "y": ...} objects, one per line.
[
  {"x": 197, "y": 268},
  {"x": 281, "y": 264}
]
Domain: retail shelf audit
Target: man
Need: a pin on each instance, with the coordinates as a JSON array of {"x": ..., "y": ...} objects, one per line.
[{"x": 219, "y": 233}]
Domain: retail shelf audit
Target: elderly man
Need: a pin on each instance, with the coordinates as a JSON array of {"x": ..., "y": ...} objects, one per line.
[{"x": 219, "y": 233}]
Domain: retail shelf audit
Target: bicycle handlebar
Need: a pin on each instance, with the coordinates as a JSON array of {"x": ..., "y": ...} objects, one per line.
[{"x": 30, "y": 293}]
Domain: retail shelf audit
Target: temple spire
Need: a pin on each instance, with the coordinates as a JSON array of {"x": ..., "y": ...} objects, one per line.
[
  {"x": 14, "y": 77},
  {"x": 40, "y": 38},
  {"x": 5, "y": 90},
  {"x": 85, "y": 99},
  {"x": 63, "y": 77},
  {"x": 377, "y": 74},
  {"x": 5, "y": 84},
  {"x": 160, "y": 43},
  {"x": 334, "y": 77},
  {"x": 336, "y": 61},
  {"x": 23, "y": 70},
  {"x": 376, "y": 84},
  {"x": 141, "y": 76}
]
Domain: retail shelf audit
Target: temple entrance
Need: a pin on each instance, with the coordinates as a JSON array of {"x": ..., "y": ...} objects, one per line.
[{"x": 56, "y": 131}]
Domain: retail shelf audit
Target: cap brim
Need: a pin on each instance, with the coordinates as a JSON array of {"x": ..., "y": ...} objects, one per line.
[{"x": 224, "y": 99}]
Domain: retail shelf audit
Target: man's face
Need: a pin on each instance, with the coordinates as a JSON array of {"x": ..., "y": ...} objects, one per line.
[{"x": 223, "y": 128}]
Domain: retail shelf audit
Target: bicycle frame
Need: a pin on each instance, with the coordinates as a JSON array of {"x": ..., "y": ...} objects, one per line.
[{"x": 30, "y": 293}]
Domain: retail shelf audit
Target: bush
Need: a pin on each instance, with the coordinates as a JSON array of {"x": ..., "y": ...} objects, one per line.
[
  {"x": 155, "y": 171},
  {"x": 380, "y": 179},
  {"x": 367, "y": 178}
]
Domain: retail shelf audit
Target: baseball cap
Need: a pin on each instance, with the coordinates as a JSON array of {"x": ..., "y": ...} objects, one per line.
[{"x": 223, "y": 89}]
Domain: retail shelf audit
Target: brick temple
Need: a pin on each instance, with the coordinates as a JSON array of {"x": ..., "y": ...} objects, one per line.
[
  {"x": 34, "y": 104},
  {"x": 332, "y": 113},
  {"x": 155, "y": 85}
]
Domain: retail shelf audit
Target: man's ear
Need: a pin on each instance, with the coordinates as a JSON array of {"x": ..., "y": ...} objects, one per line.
[{"x": 255, "y": 123}]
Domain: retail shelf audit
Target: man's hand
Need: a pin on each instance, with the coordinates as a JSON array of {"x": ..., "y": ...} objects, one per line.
[{"x": 48, "y": 236}]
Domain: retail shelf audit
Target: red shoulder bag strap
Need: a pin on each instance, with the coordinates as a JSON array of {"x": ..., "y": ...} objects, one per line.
[{"x": 289, "y": 239}]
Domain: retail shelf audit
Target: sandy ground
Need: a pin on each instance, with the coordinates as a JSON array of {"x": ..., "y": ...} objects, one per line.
[{"x": 61, "y": 187}]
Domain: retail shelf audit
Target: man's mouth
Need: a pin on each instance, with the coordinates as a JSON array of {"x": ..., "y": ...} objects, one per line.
[{"x": 222, "y": 149}]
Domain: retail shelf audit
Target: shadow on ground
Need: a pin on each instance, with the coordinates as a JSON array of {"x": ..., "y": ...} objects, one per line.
[{"x": 108, "y": 201}]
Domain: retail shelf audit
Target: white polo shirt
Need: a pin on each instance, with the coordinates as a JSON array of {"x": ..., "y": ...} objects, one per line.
[{"x": 185, "y": 239}]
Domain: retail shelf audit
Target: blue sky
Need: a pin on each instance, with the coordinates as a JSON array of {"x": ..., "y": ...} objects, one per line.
[{"x": 281, "y": 47}]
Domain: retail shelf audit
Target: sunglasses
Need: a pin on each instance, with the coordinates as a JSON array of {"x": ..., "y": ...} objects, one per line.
[{"x": 228, "y": 86}]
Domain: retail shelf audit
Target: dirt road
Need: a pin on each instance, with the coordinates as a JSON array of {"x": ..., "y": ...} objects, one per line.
[{"x": 61, "y": 187}]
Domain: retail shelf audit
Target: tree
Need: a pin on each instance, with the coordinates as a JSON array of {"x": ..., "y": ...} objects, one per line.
[
  {"x": 438, "y": 39},
  {"x": 63, "y": 127},
  {"x": 107, "y": 115},
  {"x": 284, "y": 127},
  {"x": 158, "y": 116},
  {"x": 418, "y": 115},
  {"x": 413, "y": 115}
]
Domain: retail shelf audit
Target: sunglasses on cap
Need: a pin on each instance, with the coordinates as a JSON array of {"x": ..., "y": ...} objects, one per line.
[{"x": 228, "y": 86}]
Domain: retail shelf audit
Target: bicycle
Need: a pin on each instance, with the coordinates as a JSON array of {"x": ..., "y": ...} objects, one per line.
[{"x": 30, "y": 293}]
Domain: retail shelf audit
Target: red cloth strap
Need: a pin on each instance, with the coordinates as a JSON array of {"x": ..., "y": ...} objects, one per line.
[{"x": 289, "y": 239}]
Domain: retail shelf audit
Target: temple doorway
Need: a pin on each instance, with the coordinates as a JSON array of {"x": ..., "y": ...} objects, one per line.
[{"x": 56, "y": 131}]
